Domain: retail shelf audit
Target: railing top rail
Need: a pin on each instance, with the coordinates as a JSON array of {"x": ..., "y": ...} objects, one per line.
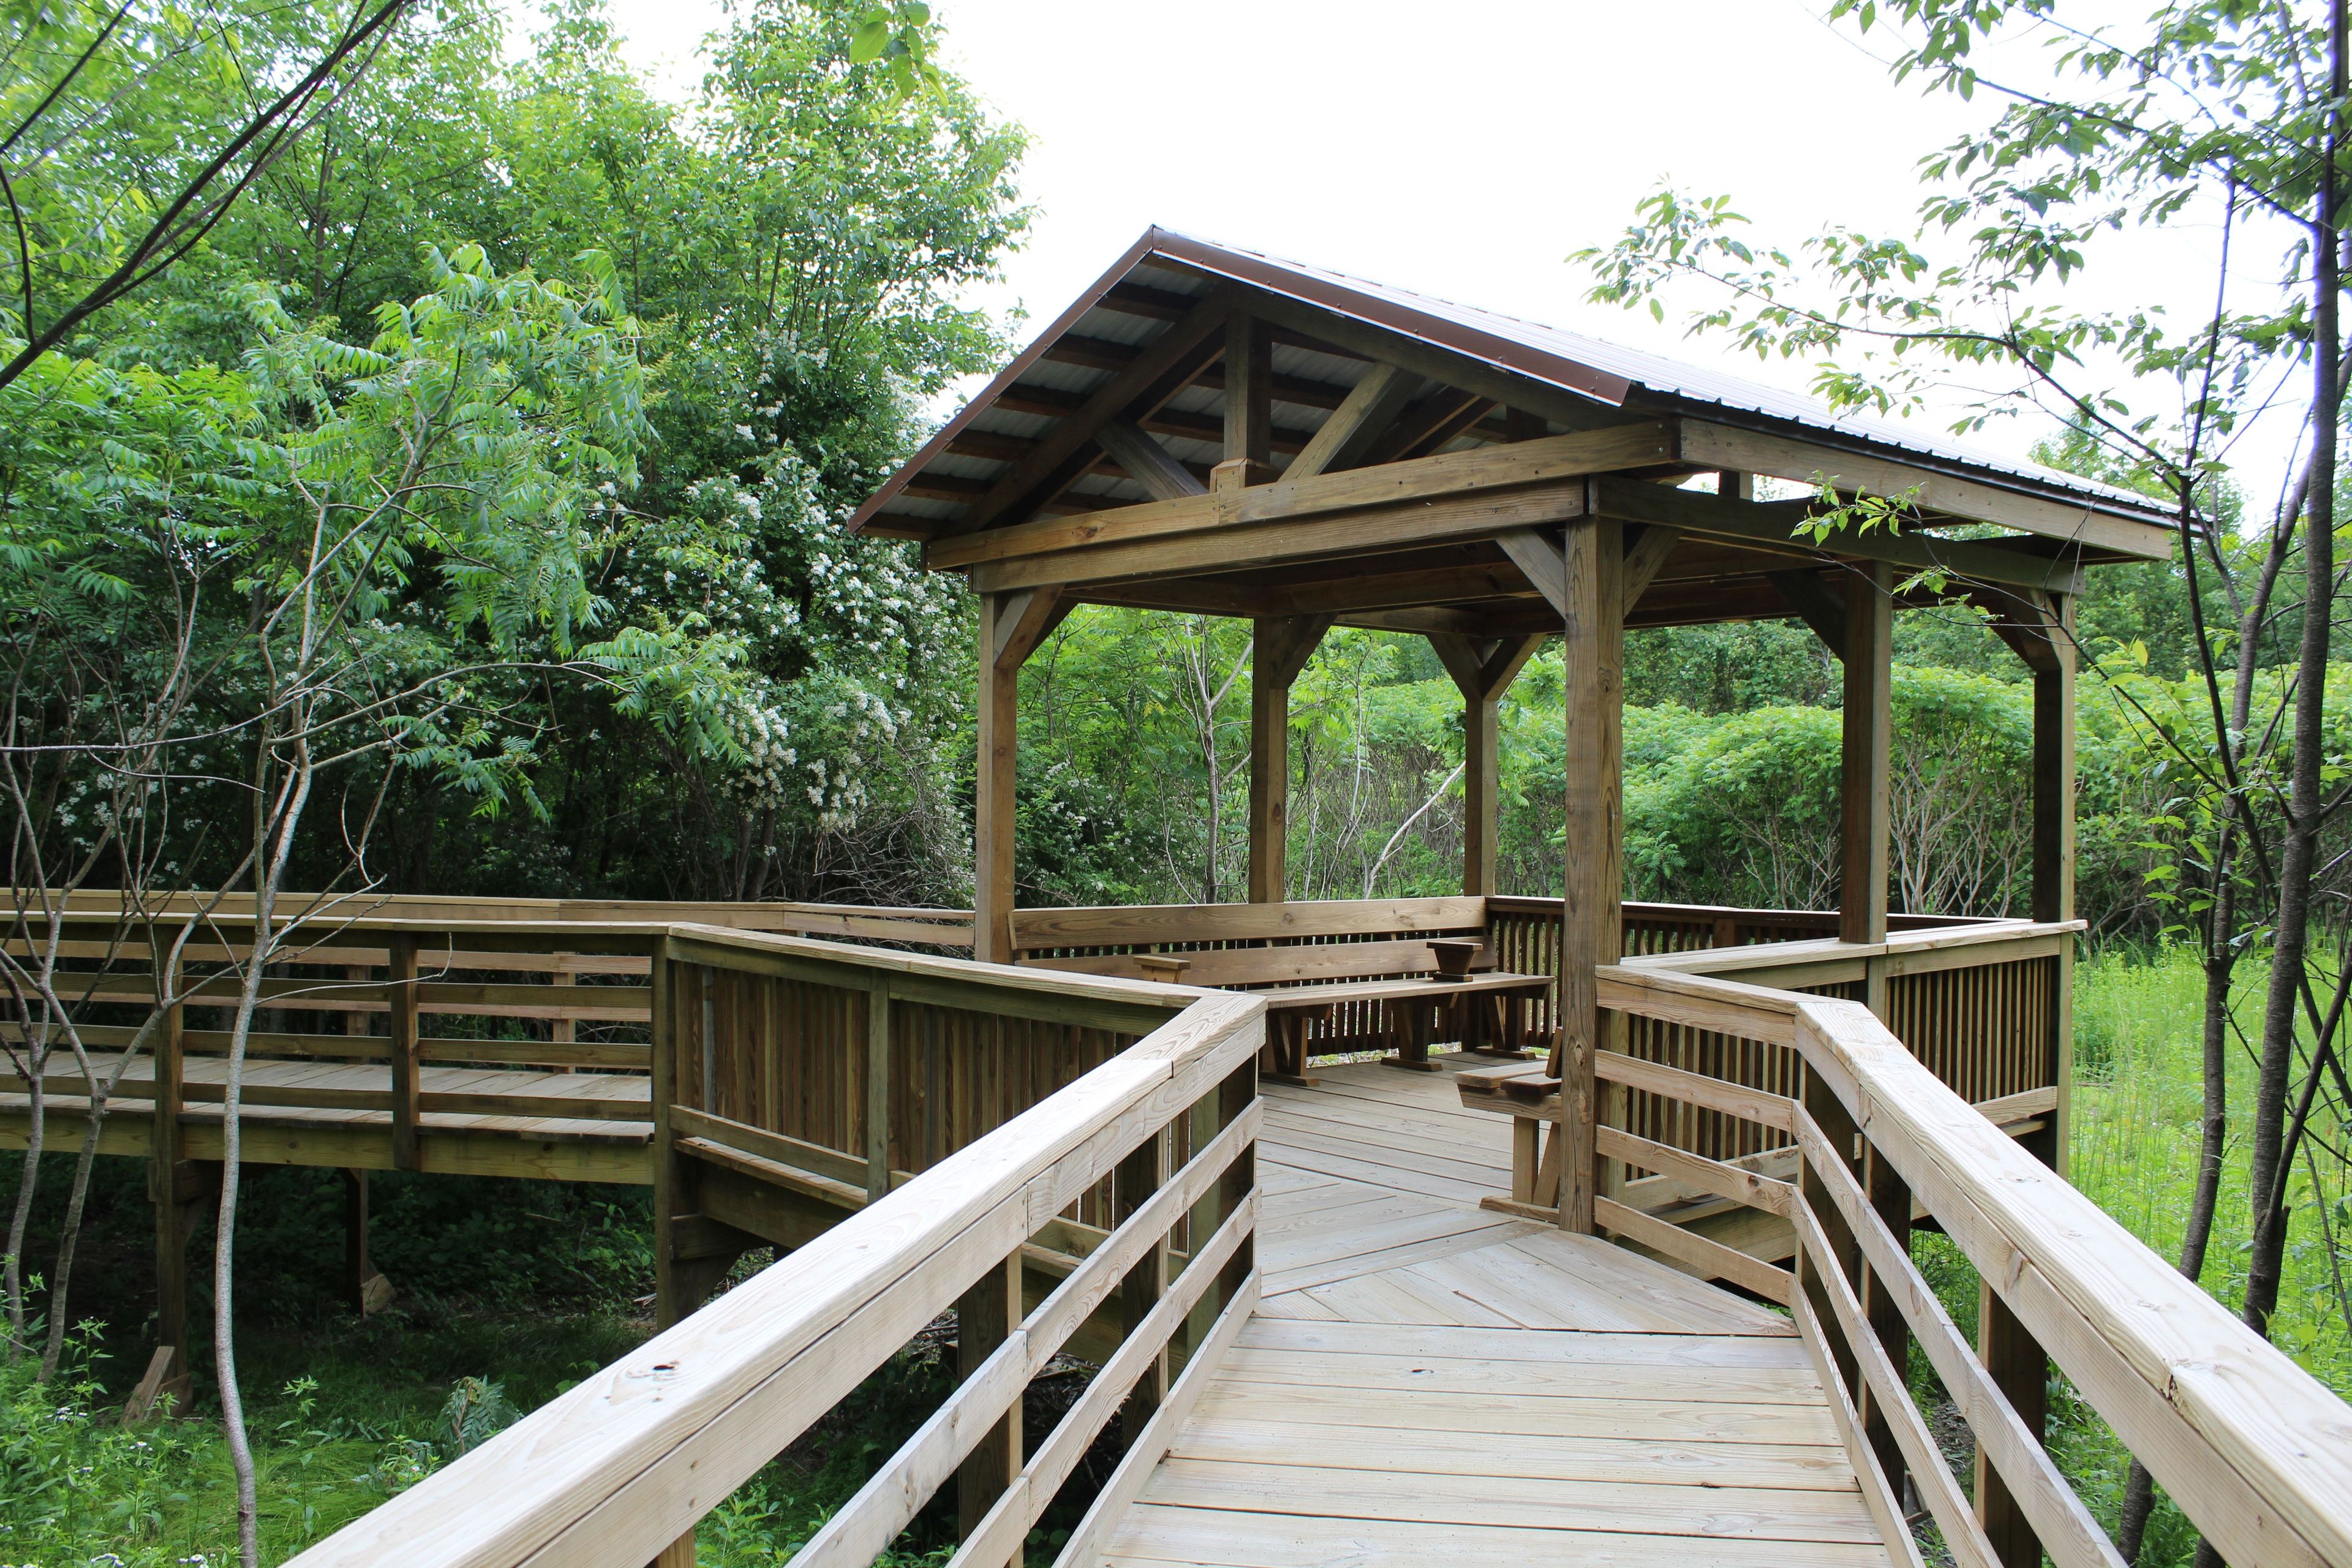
[
  {"x": 2257, "y": 1451},
  {"x": 943, "y": 926},
  {"x": 714, "y": 942},
  {"x": 606, "y": 1472},
  {"x": 1779, "y": 954}
]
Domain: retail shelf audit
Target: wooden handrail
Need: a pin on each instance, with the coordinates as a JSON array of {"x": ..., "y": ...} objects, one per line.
[
  {"x": 2257, "y": 1452},
  {"x": 626, "y": 1462}
]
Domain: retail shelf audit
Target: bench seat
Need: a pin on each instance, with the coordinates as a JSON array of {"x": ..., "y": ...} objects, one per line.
[{"x": 1419, "y": 965}]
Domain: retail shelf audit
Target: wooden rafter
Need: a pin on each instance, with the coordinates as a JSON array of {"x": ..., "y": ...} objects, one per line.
[
  {"x": 1035, "y": 477},
  {"x": 1356, "y": 424},
  {"x": 1146, "y": 462}
]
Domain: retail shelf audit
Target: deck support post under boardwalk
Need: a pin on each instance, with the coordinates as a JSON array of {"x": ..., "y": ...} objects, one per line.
[
  {"x": 168, "y": 1174},
  {"x": 1280, "y": 647}
]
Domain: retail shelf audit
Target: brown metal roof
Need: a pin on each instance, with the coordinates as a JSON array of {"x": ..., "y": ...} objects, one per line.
[{"x": 1165, "y": 271}]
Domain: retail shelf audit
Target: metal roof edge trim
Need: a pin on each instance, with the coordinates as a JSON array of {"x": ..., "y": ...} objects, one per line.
[
  {"x": 1503, "y": 354},
  {"x": 1859, "y": 445}
]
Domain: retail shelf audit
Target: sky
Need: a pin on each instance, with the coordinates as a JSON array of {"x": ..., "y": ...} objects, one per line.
[{"x": 1463, "y": 151}]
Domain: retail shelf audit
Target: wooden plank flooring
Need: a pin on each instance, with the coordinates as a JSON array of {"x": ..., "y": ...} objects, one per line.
[{"x": 1427, "y": 1382}]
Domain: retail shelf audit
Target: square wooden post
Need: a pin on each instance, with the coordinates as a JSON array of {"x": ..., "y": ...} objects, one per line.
[
  {"x": 986, "y": 1316},
  {"x": 1592, "y": 664},
  {"x": 992, "y": 797},
  {"x": 1280, "y": 647},
  {"x": 400, "y": 1000},
  {"x": 1137, "y": 1177},
  {"x": 1249, "y": 394},
  {"x": 1012, "y": 625},
  {"x": 2053, "y": 859},
  {"x": 878, "y": 1090},
  {"x": 1869, "y": 657},
  {"x": 1483, "y": 672},
  {"x": 172, "y": 1218}
]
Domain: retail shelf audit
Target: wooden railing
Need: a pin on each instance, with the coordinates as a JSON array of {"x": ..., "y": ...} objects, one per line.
[
  {"x": 619, "y": 1469},
  {"x": 1984, "y": 1004},
  {"x": 2257, "y": 1452}
]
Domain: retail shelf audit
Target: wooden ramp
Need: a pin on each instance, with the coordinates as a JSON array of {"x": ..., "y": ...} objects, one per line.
[{"x": 1426, "y": 1382}]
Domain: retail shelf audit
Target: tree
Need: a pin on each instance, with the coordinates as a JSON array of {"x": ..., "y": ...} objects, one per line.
[
  {"x": 2215, "y": 112},
  {"x": 235, "y": 600}
]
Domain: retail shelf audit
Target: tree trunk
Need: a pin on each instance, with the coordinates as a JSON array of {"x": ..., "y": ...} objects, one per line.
[{"x": 2268, "y": 1172}]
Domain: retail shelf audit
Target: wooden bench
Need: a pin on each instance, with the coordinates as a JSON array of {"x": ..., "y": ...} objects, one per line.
[{"x": 1407, "y": 971}]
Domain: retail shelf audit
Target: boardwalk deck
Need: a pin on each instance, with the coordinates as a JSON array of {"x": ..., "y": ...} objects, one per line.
[
  {"x": 1427, "y": 1382},
  {"x": 616, "y": 1139}
]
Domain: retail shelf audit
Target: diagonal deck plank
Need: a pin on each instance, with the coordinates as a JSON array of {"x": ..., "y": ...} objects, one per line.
[{"x": 1427, "y": 1382}]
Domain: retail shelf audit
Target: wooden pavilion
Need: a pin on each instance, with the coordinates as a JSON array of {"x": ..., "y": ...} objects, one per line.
[{"x": 1214, "y": 430}]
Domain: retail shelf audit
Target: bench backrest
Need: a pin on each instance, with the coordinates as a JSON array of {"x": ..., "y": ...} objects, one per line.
[{"x": 1250, "y": 944}]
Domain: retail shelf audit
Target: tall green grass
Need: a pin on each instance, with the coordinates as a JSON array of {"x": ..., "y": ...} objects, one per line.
[{"x": 2138, "y": 1097}]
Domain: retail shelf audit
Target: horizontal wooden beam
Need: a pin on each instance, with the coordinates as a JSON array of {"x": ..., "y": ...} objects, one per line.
[
  {"x": 1476, "y": 514},
  {"x": 1767, "y": 522},
  {"x": 1426, "y": 480},
  {"x": 2087, "y": 521}
]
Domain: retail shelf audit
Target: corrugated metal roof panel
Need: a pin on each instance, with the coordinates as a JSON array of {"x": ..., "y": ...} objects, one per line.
[
  {"x": 1182, "y": 266},
  {"x": 1672, "y": 378}
]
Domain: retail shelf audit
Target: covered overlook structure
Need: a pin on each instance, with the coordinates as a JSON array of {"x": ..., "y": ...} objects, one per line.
[
  {"x": 1369, "y": 1320},
  {"x": 1214, "y": 430}
]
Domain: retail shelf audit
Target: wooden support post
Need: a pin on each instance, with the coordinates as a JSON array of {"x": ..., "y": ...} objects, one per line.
[
  {"x": 357, "y": 1267},
  {"x": 1139, "y": 1177},
  {"x": 877, "y": 1091},
  {"x": 1890, "y": 1200},
  {"x": 986, "y": 1316},
  {"x": 400, "y": 1000},
  {"x": 669, "y": 1292},
  {"x": 164, "y": 1174},
  {"x": 1233, "y": 1099},
  {"x": 1207, "y": 1213},
  {"x": 1829, "y": 1113},
  {"x": 2021, "y": 1372},
  {"x": 2053, "y": 859},
  {"x": 1249, "y": 393},
  {"x": 1869, "y": 655},
  {"x": 1481, "y": 672},
  {"x": 564, "y": 1031},
  {"x": 1280, "y": 647},
  {"x": 1012, "y": 625},
  {"x": 1587, "y": 587},
  {"x": 992, "y": 803}
]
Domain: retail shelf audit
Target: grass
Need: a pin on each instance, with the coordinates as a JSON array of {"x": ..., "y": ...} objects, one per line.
[
  {"x": 2138, "y": 1101},
  {"x": 512, "y": 1292}
]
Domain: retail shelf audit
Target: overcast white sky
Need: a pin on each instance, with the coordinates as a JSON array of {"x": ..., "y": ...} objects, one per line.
[{"x": 1461, "y": 150}]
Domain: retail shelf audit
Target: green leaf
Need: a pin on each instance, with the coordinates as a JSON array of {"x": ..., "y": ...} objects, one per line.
[{"x": 873, "y": 35}]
